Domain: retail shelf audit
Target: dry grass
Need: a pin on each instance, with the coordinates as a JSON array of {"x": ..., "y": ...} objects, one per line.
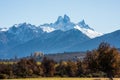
[
  {"x": 65, "y": 79},
  {"x": 7, "y": 62}
]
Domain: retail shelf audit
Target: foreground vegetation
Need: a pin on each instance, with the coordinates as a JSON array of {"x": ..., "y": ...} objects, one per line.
[
  {"x": 52, "y": 78},
  {"x": 101, "y": 62}
]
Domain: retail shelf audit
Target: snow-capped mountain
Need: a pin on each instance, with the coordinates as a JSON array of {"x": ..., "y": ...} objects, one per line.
[
  {"x": 64, "y": 24},
  {"x": 18, "y": 34},
  {"x": 24, "y": 31},
  {"x": 54, "y": 37},
  {"x": 68, "y": 41}
]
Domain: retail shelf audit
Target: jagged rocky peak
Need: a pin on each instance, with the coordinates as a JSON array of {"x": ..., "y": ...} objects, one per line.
[
  {"x": 60, "y": 18},
  {"x": 82, "y": 24},
  {"x": 64, "y": 19},
  {"x": 22, "y": 27}
]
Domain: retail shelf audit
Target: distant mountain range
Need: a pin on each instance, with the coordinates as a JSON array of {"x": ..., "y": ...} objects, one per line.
[{"x": 61, "y": 36}]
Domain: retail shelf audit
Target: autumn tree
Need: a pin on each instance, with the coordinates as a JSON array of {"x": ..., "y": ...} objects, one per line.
[
  {"x": 71, "y": 68},
  {"x": 61, "y": 69},
  {"x": 48, "y": 66},
  {"x": 105, "y": 58},
  {"x": 6, "y": 71},
  {"x": 26, "y": 68},
  {"x": 92, "y": 61},
  {"x": 109, "y": 59},
  {"x": 80, "y": 68}
]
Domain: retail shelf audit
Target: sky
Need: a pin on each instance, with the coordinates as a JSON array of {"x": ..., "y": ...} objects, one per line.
[{"x": 101, "y": 15}]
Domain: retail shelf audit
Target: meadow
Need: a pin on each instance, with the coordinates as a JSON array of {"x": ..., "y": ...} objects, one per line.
[{"x": 66, "y": 79}]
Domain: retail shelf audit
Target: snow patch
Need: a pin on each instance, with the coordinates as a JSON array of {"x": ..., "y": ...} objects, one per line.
[
  {"x": 4, "y": 29},
  {"x": 90, "y": 33},
  {"x": 47, "y": 29}
]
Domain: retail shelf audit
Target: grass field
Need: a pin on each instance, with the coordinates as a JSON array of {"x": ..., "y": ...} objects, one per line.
[
  {"x": 7, "y": 62},
  {"x": 66, "y": 79}
]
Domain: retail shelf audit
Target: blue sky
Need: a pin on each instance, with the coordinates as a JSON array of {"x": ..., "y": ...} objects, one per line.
[{"x": 102, "y": 15}]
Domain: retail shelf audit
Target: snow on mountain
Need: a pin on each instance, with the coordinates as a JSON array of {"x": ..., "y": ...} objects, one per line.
[
  {"x": 56, "y": 41},
  {"x": 19, "y": 28},
  {"x": 84, "y": 28},
  {"x": 53, "y": 37},
  {"x": 3, "y": 29},
  {"x": 112, "y": 38},
  {"x": 22, "y": 32},
  {"x": 64, "y": 24},
  {"x": 47, "y": 29},
  {"x": 89, "y": 32}
]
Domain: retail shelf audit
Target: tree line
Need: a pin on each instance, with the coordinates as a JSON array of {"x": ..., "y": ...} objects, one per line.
[{"x": 101, "y": 62}]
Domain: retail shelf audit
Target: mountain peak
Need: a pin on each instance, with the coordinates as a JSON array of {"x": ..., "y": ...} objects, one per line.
[
  {"x": 60, "y": 18},
  {"x": 66, "y": 18},
  {"x": 64, "y": 24},
  {"x": 24, "y": 25},
  {"x": 82, "y": 21},
  {"x": 82, "y": 24},
  {"x": 20, "y": 25}
]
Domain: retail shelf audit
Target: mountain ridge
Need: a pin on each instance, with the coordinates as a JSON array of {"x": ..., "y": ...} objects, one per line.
[{"x": 62, "y": 35}]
